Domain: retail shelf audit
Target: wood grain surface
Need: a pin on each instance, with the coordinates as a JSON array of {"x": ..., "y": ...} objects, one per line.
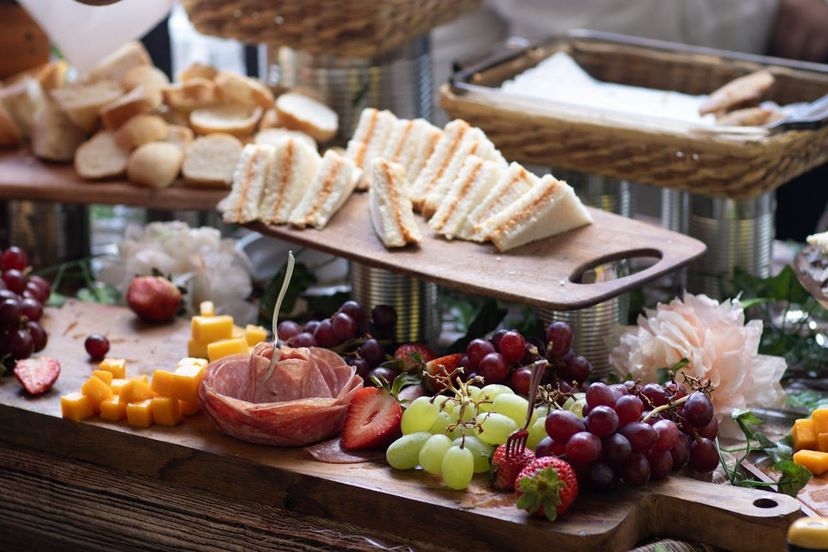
[
  {"x": 409, "y": 504},
  {"x": 22, "y": 176}
]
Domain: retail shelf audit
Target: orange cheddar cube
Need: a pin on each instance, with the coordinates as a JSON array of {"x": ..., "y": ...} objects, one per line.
[
  {"x": 815, "y": 461},
  {"x": 225, "y": 347},
  {"x": 118, "y": 384},
  {"x": 196, "y": 349},
  {"x": 804, "y": 435},
  {"x": 207, "y": 329},
  {"x": 207, "y": 308},
  {"x": 113, "y": 409},
  {"x": 104, "y": 375},
  {"x": 820, "y": 418},
  {"x": 254, "y": 334},
  {"x": 139, "y": 414},
  {"x": 822, "y": 442},
  {"x": 189, "y": 408},
  {"x": 186, "y": 379},
  {"x": 136, "y": 391},
  {"x": 76, "y": 406},
  {"x": 96, "y": 390},
  {"x": 115, "y": 365},
  {"x": 238, "y": 331},
  {"x": 162, "y": 382},
  {"x": 166, "y": 411}
]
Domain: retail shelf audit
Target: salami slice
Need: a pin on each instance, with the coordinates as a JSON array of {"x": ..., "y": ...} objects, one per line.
[{"x": 304, "y": 400}]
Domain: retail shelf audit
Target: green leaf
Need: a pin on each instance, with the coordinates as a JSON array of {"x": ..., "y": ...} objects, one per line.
[
  {"x": 746, "y": 417},
  {"x": 302, "y": 279},
  {"x": 662, "y": 376},
  {"x": 747, "y": 303},
  {"x": 56, "y": 300},
  {"x": 794, "y": 477},
  {"x": 486, "y": 320},
  {"x": 99, "y": 292}
]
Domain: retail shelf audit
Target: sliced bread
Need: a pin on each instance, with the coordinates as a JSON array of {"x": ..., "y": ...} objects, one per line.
[
  {"x": 249, "y": 177},
  {"x": 54, "y": 136},
  {"x": 515, "y": 182},
  {"x": 211, "y": 160},
  {"x": 473, "y": 183},
  {"x": 329, "y": 190},
  {"x": 295, "y": 165},
  {"x": 439, "y": 161},
  {"x": 138, "y": 100},
  {"x": 82, "y": 102},
  {"x": 392, "y": 215},
  {"x": 142, "y": 129},
  {"x": 302, "y": 113},
  {"x": 101, "y": 157},
  {"x": 155, "y": 164},
  {"x": 239, "y": 89},
  {"x": 411, "y": 144},
  {"x": 236, "y": 119},
  {"x": 116, "y": 65}
]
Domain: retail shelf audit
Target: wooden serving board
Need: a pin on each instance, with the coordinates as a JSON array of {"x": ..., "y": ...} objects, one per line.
[
  {"x": 541, "y": 273},
  {"x": 410, "y": 504},
  {"x": 24, "y": 177}
]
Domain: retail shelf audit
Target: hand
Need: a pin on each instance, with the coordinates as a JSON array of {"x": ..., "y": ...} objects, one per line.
[{"x": 801, "y": 30}]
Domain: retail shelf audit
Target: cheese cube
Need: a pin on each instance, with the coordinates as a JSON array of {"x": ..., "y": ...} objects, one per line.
[
  {"x": 118, "y": 384},
  {"x": 254, "y": 334},
  {"x": 238, "y": 331},
  {"x": 207, "y": 308},
  {"x": 162, "y": 382},
  {"x": 815, "y": 461},
  {"x": 186, "y": 380},
  {"x": 196, "y": 349},
  {"x": 207, "y": 329},
  {"x": 96, "y": 390},
  {"x": 191, "y": 361},
  {"x": 820, "y": 418},
  {"x": 804, "y": 436},
  {"x": 221, "y": 349},
  {"x": 76, "y": 406},
  {"x": 142, "y": 377},
  {"x": 166, "y": 411},
  {"x": 139, "y": 414},
  {"x": 113, "y": 409},
  {"x": 822, "y": 442},
  {"x": 104, "y": 375},
  {"x": 136, "y": 391},
  {"x": 115, "y": 365},
  {"x": 189, "y": 408}
]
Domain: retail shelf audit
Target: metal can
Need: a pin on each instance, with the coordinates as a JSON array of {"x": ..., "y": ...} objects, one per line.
[{"x": 50, "y": 233}]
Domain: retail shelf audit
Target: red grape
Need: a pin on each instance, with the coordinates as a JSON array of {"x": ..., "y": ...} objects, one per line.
[
  {"x": 383, "y": 373},
  {"x": 667, "y": 433},
  {"x": 496, "y": 337},
  {"x": 680, "y": 452},
  {"x": 372, "y": 351},
  {"x": 477, "y": 349},
  {"x": 575, "y": 367},
  {"x": 519, "y": 380},
  {"x": 352, "y": 309},
  {"x": 493, "y": 368},
  {"x": 97, "y": 346},
  {"x": 640, "y": 435},
  {"x": 14, "y": 280},
  {"x": 19, "y": 344},
  {"x": 14, "y": 258},
  {"x": 511, "y": 346},
  {"x": 635, "y": 470},
  {"x": 344, "y": 327},
  {"x": 619, "y": 390},
  {"x": 711, "y": 430},
  {"x": 698, "y": 411},
  {"x": 599, "y": 393},
  {"x": 31, "y": 309},
  {"x": 549, "y": 447},
  {"x": 10, "y": 311},
  {"x": 583, "y": 448},
  {"x": 661, "y": 463},
  {"x": 602, "y": 421},
  {"x": 287, "y": 329},
  {"x": 384, "y": 317},
  {"x": 585, "y": 410},
  {"x": 675, "y": 390},
  {"x": 325, "y": 336},
  {"x": 42, "y": 282},
  {"x": 629, "y": 409},
  {"x": 36, "y": 291},
  {"x": 632, "y": 387},
  {"x": 363, "y": 369},
  {"x": 563, "y": 424},
  {"x": 310, "y": 326},
  {"x": 656, "y": 394},
  {"x": 559, "y": 339},
  {"x": 703, "y": 455},
  {"x": 8, "y": 294},
  {"x": 601, "y": 477},
  {"x": 616, "y": 448},
  {"x": 302, "y": 339},
  {"x": 39, "y": 337}
]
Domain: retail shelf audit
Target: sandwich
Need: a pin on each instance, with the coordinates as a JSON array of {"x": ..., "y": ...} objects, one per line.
[
  {"x": 369, "y": 140},
  {"x": 438, "y": 162},
  {"x": 242, "y": 205},
  {"x": 515, "y": 182},
  {"x": 410, "y": 144},
  {"x": 390, "y": 207},
  {"x": 476, "y": 178},
  {"x": 332, "y": 186},
  {"x": 295, "y": 165},
  {"x": 551, "y": 207}
]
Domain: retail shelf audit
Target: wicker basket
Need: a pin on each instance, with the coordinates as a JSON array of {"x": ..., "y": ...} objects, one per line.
[
  {"x": 726, "y": 166},
  {"x": 354, "y": 28}
]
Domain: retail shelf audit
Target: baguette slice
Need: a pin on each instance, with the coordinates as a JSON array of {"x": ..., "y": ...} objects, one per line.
[
  {"x": 23, "y": 100},
  {"x": 392, "y": 215},
  {"x": 270, "y": 119},
  {"x": 197, "y": 71},
  {"x": 295, "y": 165},
  {"x": 411, "y": 144},
  {"x": 515, "y": 182},
  {"x": 476, "y": 178},
  {"x": 274, "y": 136},
  {"x": 142, "y": 129},
  {"x": 83, "y": 102},
  {"x": 236, "y": 119},
  {"x": 329, "y": 190},
  {"x": 235, "y": 88},
  {"x": 369, "y": 140},
  {"x": 551, "y": 207},
  {"x": 101, "y": 157},
  {"x": 50, "y": 75},
  {"x": 155, "y": 164},
  {"x": 54, "y": 136},
  {"x": 211, "y": 160},
  {"x": 192, "y": 94},
  {"x": 147, "y": 76},
  {"x": 249, "y": 177},
  {"x": 445, "y": 150},
  {"x": 181, "y": 136},
  {"x": 302, "y": 113},
  {"x": 116, "y": 65},
  {"x": 9, "y": 133},
  {"x": 138, "y": 100}
]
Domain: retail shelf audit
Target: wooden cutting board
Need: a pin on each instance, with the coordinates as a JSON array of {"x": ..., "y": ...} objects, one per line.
[
  {"x": 406, "y": 503},
  {"x": 24, "y": 177},
  {"x": 543, "y": 273}
]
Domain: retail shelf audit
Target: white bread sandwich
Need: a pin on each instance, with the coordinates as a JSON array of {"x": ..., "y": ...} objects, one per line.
[
  {"x": 295, "y": 165},
  {"x": 438, "y": 162},
  {"x": 242, "y": 205},
  {"x": 477, "y": 177},
  {"x": 369, "y": 140},
  {"x": 329, "y": 190},
  {"x": 515, "y": 182},
  {"x": 551, "y": 207},
  {"x": 392, "y": 215},
  {"x": 274, "y": 136},
  {"x": 410, "y": 144}
]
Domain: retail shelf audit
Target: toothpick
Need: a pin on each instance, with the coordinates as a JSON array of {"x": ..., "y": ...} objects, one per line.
[{"x": 277, "y": 351}]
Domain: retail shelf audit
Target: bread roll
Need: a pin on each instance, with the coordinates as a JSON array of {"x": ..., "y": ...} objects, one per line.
[
  {"x": 9, "y": 133},
  {"x": 274, "y": 136},
  {"x": 155, "y": 164},
  {"x": 211, "y": 160},
  {"x": 50, "y": 75},
  {"x": 101, "y": 157},
  {"x": 23, "y": 100},
  {"x": 300, "y": 112},
  {"x": 181, "y": 136},
  {"x": 146, "y": 75},
  {"x": 197, "y": 71},
  {"x": 54, "y": 136},
  {"x": 190, "y": 95},
  {"x": 235, "y": 119},
  {"x": 235, "y": 88},
  {"x": 116, "y": 65},
  {"x": 140, "y": 130},
  {"x": 139, "y": 100},
  {"x": 270, "y": 119},
  {"x": 83, "y": 102}
]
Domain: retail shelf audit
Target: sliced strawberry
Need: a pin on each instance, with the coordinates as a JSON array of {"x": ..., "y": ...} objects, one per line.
[
  {"x": 438, "y": 370},
  {"x": 37, "y": 375},
  {"x": 373, "y": 419},
  {"x": 414, "y": 356},
  {"x": 505, "y": 468}
]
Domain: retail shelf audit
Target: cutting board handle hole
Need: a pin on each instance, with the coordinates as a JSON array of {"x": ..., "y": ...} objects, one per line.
[
  {"x": 615, "y": 266},
  {"x": 765, "y": 503}
]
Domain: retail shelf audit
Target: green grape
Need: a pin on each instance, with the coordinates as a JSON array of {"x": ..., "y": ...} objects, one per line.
[
  {"x": 537, "y": 431},
  {"x": 474, "y": 392},
  {"x": 419, "y": 416},
  {"x": 482, "y": 452},
  {"x": 404, "y": 453},
  {"x": 459, "y": 431},
  {"x": 432, "y": 452},
  {"x": 495, "y": 428},
  {"x": 457, "y": 467},
  {"x": 577, "y": 407},
  {"x": 540, "y": 412},
  {"x": 444, "y": 403},
  {"x": 511, "y": 405},
  {"x": 490, "y": 393},
  {"x": 568, "y": 403},
  {"x": 440, "y": 422}
]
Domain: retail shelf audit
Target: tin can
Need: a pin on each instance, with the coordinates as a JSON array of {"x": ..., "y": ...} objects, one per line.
[
  {"x": 50, "y": 233},
  {"x": 601, "y": 192}
]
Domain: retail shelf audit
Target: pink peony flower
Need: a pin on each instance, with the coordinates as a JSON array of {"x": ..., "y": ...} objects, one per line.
[{"x": 719, "y": 345}]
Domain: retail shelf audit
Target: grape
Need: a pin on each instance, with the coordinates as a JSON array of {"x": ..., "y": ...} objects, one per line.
[
  {"x": 511, "y": 405},
  {"x": 442, "y": 420},
  {"x": 540, "y": 412},
  {"x": 382, "y": 373},
  {"x": 287, "y": 329},
  {"x": 493, "y": 368},
  {"x": 559, "y": 338},
  {"x": 703, "y": 455},
  {"x": 31, "y": 309},
  {"x": 39, "y": 337},
  {"x": 458, "y": 467},
  {"x": 563, "y": 424},
  {"x": 419, "y": 416},
  {"x": 35, "y": 291},
  {"x": 629, "y": 409},
  {"x": 480, "y": 450},
  {"x": 576, "y": 368},
  {"x": 616, "y": 449},
  {"x": 372, "y": 351},
  {"x": 384, "y": 318},
  {"x": 583, "y": 447},
  {"x": 42, "y": 282},
  {"x": 711, "y": 430},
  {"x": 511, "y": 346},
  {"x": 635, "y": 470},
  {"x": 352, "y": 309},
  {"x": 10, "y": 311},
  {"x": 7, "y": 294},
  {"x": 520, "y": 380},
  {"x": 537, "y": 432},
  {"x": 496, "y": 337},
  {"x": 698, "y": 411},
  {"x": 325, "y": 336},
  {"x": 13, "y": 258},
  {"x": 310, "y": 326},
  {"x": 599, "y": 393},
  {"x": 14, "y": 280},
  {"x": 601, "y": 476},
  {"x": 632, "y": 387},
  {"x": 97, "y": 346},
  {"x": 476, "y": 350},
  {"x": 495, "y": 428},
  {"x": 19, "y": 344},
  {"x": 404, "y": 453},
  {"x": 549, "y": 447},
  {"x": 680, "y": 452},
  {"x": 303, "y": 339},
  {"x": 640, "y": 435},
  {"x": 432, "y": 453},
  {"x": 532, "y": 353},
  {"x": 661, "y": 463},
  {"x": 675, "y": 391},
  {"x": 667, "y": 432},
  {"x": 344, "y": 327},
  {"x": 655, "y": 394},
  {"x": 602, "y": 421},
  {"x": 619, "y": 390}
]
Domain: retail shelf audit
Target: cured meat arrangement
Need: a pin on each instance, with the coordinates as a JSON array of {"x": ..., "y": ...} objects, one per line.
[{"x": 304, "y": 400}]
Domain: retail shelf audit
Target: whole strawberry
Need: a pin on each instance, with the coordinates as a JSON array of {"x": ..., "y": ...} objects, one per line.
[
  {"x": 504, "y": 468},
  {"x": 153, "y": 298},
  {"x": 546, "y": 487},
  {"x": 413, "y": 356}
]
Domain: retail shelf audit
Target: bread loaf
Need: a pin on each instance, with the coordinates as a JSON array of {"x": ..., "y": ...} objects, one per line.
[
  {"x": 155, "y": 164},
  {"x": 101, "y": 157}
]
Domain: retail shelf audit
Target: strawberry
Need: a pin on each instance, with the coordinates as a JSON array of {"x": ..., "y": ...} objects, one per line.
[
  {"x": 37, "y": 375},
  {"x": 504, "y": 469},
  {"x": 413, "y": 356},
  {"x": 442, "y": 366},
  {"x": 153, "y": 298},
  {"x": 547, "y": 486},
  {"x": 373, "y": 417}
]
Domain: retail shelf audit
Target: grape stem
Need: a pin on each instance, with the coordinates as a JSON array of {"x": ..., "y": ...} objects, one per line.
[{"x": 664, "y": 407}]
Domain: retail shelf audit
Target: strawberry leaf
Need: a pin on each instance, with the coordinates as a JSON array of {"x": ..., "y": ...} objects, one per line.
[{"x": 550, "y": 508}]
